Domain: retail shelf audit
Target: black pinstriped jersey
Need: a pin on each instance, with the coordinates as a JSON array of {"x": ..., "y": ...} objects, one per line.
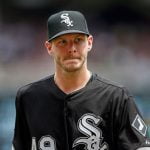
[{"x": 100, "y": 116}]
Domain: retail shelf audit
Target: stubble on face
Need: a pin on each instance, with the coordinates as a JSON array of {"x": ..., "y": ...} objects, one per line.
[{"x": 70, "y": 64}]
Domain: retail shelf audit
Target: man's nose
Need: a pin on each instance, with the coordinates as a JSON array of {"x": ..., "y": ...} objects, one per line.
[{"x": 72, "y": 47}]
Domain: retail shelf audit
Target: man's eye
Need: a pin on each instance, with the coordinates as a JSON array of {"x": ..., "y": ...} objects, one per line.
[
  {"x": 62, "y": 42},
  {"x": 77, "y": 40}
]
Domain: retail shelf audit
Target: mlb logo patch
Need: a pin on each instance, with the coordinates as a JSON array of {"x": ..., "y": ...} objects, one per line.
[{"x": 139, "y": 125}]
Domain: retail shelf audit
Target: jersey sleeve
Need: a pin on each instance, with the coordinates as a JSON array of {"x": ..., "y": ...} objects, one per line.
[
  {"x": 132, "y": 130},
  {"x": 21, "y": 139}
]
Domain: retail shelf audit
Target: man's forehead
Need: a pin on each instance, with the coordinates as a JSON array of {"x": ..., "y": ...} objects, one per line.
[{"x": 70, "y": 35}]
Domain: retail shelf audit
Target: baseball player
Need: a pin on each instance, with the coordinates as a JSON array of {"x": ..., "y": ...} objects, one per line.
[{"x": 75, "y": 109}]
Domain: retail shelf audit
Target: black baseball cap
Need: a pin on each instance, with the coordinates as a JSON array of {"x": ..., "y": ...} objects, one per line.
[{"x": 66, "y": 22}]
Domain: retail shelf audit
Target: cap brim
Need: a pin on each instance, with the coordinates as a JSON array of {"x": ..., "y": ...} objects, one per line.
[{"x": 66, "y": 32}]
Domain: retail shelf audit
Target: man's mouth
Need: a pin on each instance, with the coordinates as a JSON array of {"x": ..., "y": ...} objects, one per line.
[{"x": 71, "y": 58}]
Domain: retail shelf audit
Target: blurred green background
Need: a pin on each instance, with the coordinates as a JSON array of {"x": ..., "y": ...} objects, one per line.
[{"x": 121, "y": 50}]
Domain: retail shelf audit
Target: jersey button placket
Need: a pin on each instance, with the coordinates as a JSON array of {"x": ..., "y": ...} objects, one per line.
[{"x": 66, "y": 113}]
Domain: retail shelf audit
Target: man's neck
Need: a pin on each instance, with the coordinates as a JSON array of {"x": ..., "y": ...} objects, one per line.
[{"x": 70, "y": 82}]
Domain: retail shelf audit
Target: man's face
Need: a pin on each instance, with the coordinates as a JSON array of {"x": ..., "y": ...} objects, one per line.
[{"x": 70, "y": 51}]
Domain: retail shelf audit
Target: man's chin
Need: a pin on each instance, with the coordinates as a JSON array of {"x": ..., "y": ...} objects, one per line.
[{"x": 72, "y": 68}]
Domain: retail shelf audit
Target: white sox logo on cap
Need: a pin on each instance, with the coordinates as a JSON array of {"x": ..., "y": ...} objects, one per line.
[{"x": 65, "y": 19}]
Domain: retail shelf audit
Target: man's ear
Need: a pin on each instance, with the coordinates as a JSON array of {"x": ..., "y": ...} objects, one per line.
[
  {"x": 48, "y": 46},
  {"x": 90, "y": 42}
]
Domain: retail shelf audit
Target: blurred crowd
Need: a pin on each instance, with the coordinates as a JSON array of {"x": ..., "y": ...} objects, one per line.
[{"x": 120, "y": 52}]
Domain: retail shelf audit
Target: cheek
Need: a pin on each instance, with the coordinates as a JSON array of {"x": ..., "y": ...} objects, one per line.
[
  {"x": 55, "y": 51},
  {"x": 84, "y": 51},
  {"x": 58, "y": 55}
]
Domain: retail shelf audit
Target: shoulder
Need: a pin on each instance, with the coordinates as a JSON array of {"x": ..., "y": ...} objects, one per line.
[
  {"x": 144, "y": 148},
  {"x": 111, "y": 87},
  {"x": 34, "y": 87}
]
